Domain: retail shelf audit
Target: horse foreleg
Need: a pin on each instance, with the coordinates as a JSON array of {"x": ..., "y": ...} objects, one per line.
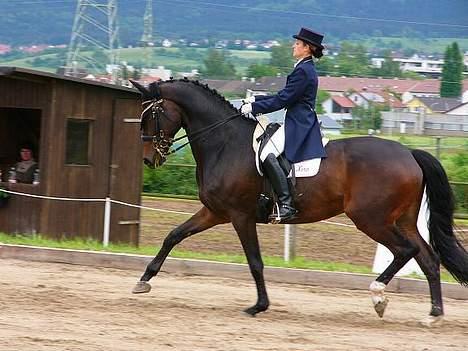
[
  {"x": 200, "y": 221},
  {"x": 246, "y": 229}
]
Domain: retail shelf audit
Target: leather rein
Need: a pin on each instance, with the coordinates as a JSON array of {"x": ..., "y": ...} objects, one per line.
[{"x": 161, "y": 143}]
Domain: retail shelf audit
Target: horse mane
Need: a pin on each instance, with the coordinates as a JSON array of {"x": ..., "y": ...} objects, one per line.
[{"x": 155, "y": 92}]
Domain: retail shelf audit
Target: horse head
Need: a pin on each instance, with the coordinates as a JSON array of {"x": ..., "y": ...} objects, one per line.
[{"x": 161, "y": 119}]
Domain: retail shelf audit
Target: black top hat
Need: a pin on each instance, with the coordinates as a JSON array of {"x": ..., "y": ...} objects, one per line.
[{"x": 311, "y": 37}]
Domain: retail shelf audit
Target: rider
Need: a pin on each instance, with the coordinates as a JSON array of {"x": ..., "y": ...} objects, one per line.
[{"x": 299, "y": 137}]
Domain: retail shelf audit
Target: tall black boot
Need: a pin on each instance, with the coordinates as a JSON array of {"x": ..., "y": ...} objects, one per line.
[{"x": 278, "y": 180}]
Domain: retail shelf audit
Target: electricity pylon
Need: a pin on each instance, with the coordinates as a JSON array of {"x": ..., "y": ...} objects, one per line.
[
  {"x": 95, "y": 27},
  {"x": 147, "y": 37}
]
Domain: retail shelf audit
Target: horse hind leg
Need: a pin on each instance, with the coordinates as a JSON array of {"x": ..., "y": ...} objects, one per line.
[
  {"x": 429, "y": 263},
  {"x": 402, "y": 248}
]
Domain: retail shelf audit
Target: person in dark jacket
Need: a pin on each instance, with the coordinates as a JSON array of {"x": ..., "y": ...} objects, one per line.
[{"x": 299, "y": 137}]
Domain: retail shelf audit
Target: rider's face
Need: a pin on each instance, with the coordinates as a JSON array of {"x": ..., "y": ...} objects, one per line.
[{"x": 300, "y": 49}]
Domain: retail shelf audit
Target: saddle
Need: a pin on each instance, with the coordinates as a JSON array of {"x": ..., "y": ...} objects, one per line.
[{"x": 307, "y": 168}]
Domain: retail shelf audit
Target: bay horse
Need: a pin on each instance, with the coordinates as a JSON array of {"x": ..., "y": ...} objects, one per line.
[{"x": 377, "y": 183}]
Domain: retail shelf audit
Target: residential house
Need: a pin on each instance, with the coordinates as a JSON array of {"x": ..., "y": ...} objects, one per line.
[
  {"x": 460, "y": 110},
  {"x": 432, "y": 104},
  {"x": 338, "y": 108}
]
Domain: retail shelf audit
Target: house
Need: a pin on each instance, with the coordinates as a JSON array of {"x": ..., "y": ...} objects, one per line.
[
  {"x": 433, "y": 104},
  {"x": 338, "y": 108},
  {"x": 460, "y": 110}
]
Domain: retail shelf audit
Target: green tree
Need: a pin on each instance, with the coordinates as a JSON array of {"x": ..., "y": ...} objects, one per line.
[
  {"x": 390, "y": 68},
  {"x": 326, "y": 66},
  {"x": 452, "y": 72},
  {"x": 281, "y": 58},
  {"x": 368, "y": 118},
  {"x": 322, "y": 95},
  {"x": 217, "y": 65},
  {"x": 352, "y": 60},
  {"x": 258, "y": 70}
]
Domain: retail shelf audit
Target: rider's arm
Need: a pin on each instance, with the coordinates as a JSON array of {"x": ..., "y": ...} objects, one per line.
[{"x": 292, "y": 92}]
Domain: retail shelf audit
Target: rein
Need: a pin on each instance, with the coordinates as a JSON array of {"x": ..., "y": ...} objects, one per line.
[{"x": 161, "y": 144}]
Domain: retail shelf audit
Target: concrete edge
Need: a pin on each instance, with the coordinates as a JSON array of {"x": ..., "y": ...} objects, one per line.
[{"x": 230, "y": 270}]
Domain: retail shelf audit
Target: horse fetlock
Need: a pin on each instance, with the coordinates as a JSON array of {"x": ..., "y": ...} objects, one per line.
[
  {"x": 379, "y": 300},
  {"x": 141, "y": 287},
  {"x": 432, "y": 321}
]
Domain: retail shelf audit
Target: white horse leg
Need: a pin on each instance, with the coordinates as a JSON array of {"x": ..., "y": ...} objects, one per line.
[{"x": 379, "y": 300}]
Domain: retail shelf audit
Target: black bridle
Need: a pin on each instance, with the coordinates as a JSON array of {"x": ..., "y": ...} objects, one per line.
[{"x": 161, "y": 143}]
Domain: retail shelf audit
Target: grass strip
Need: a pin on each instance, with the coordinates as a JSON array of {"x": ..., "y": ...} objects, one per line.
[{"x": 93, "y": 245}]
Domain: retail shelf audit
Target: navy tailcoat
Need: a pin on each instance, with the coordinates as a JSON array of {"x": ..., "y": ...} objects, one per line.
[{"x": 302, "y": 128}]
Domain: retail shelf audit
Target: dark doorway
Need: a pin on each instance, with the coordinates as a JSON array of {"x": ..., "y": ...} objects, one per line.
[{"x": 18, "y": 127}]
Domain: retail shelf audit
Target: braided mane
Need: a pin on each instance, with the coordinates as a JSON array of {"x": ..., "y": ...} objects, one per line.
[{"x": 154, "y": 89}]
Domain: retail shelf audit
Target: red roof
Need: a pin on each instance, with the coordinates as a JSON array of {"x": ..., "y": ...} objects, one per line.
[
  {"x": 343, "y": 101},
  {"x": 344, "y": 84}
]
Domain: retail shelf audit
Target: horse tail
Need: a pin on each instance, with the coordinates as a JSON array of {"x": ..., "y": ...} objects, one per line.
[{"x": 452, "y": 254}]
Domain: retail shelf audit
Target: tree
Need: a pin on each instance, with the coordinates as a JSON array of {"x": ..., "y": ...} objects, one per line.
[
  {"x": 390, "y": 68},
  {"x": 281, "y": 58},
  {"x": 322, "y": 95},
  {"x": 352, "y": 60},
  {"x": 369, "y": 118},
  {"x": 217, "y": 65},
  {"x": 258, "y": 70},
  {"x": 452, "y": 72}
]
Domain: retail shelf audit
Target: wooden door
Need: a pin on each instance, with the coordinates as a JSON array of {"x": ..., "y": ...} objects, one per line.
[{"x": 126, "y": 171}]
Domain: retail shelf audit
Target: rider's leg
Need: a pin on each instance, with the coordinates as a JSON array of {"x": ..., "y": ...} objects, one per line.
[{"x": 278, "y": 180}]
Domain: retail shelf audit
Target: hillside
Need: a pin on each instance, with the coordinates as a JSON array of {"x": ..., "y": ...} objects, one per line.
[{"x": 49, "y": 21}]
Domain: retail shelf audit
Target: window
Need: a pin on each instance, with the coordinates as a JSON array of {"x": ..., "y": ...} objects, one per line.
[{"x": 78, "y": 141}]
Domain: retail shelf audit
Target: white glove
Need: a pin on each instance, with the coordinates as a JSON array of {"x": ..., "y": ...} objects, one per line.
[
  {"x": 249, "y": 100},
  {"x": 246, "y": 109}
]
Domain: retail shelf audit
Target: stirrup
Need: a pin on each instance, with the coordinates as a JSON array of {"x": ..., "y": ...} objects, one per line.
[{"x": 275, "y": 218}]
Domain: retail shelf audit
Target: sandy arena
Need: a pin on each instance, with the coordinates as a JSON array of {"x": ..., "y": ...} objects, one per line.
[{"x": 57, "y": 307}]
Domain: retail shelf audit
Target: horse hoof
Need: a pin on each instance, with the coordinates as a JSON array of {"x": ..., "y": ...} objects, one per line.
[
  {"x": 252, "y": 311},
  {"x": 141, "y": 288},
  {"x": 432, "y": 321},
  {"x": 381, "y": 306}
]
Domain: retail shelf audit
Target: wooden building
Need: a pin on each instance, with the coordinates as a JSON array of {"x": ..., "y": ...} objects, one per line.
[{"x": 85, "y": 138}]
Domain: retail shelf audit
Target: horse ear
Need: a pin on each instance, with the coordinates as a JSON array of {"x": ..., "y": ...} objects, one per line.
[{"x": 140, "y": 87}]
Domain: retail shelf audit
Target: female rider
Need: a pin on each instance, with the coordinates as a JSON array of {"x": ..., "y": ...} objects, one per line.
[{"x": 299, "y": 137}]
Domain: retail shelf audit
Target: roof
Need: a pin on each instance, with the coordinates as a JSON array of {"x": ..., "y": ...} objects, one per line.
[
  {"x": 344, "y": 84},
  {"x": 329, "y": 123},
  {"x": 21, "y": 72},
  {"x": 343, "y": 101},
  {"x": 437, "y": 104},
  {"x": 456, "y": 107},
  {"x": 373, "y": 97}
]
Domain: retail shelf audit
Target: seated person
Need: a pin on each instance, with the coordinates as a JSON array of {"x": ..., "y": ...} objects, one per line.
[{"x": 26, "y": 167}]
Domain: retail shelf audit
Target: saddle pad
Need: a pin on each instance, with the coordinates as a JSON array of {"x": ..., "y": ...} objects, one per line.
[{"x": 307, "y": 168}]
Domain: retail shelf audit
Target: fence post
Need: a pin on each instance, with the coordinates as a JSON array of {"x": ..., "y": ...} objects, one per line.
[
  {"x": 437, "y": 151},
  {"x": 107, "y": 216},
  {"x": 289, "y": 242}
]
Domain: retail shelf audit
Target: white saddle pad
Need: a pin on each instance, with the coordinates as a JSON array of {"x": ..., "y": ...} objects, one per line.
[{"x": 307, "y": 168}]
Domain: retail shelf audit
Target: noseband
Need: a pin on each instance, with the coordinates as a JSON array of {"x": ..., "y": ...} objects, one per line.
[{"x": 161, "y": 143}]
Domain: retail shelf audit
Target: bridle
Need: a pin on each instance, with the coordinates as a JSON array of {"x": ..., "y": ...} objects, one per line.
[{"x": 161, "y": 143}]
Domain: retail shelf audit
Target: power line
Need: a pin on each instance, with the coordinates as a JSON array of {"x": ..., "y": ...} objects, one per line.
[{"x": 259, "y": 9}]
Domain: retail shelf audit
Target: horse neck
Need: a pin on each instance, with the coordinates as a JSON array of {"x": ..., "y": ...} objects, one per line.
[{"x": 201, "y": 111}]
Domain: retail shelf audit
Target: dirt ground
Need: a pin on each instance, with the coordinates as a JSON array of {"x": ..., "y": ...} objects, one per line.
[
  {"x": 55, "y": 307},
  {"x": 317, "y": 241}
]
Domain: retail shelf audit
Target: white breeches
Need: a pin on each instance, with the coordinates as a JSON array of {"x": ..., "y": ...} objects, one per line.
[{"x": 275, "y": 145}]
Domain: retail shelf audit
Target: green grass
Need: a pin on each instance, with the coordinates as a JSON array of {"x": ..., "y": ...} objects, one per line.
[{"x": 93, "y": 245}]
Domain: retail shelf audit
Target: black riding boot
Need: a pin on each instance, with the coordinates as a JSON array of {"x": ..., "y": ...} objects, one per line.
[{"x": 278, "y": 180}]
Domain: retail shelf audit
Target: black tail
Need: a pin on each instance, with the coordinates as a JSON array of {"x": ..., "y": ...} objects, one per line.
[{"x": 453, "y": 255}]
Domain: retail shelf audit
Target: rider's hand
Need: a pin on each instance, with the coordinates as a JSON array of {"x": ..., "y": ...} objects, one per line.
[
  {"x": 249, "y": 100},
  {"x": 246, "y": 110}
]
